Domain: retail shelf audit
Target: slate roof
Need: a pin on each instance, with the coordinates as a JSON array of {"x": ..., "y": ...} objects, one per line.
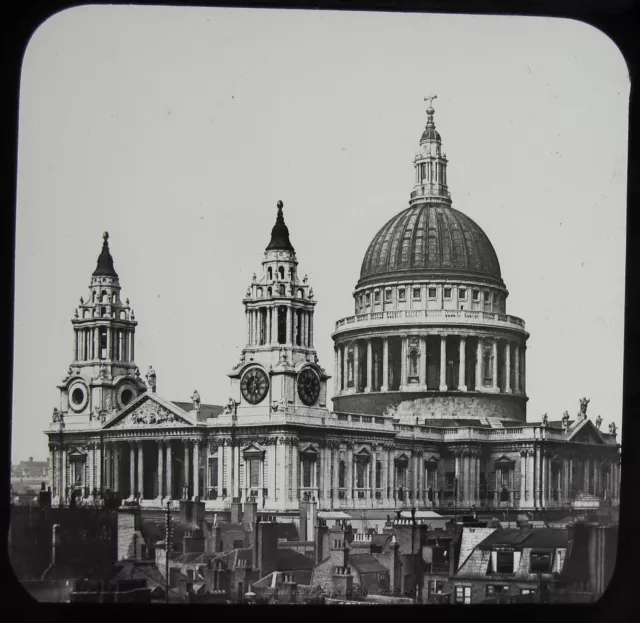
[
  {"x": 540, "y": 538},
  {"x": 290, "y": 560},
  {"x": 471, "y": 537},
  {"x": 365, "y": 563},
  {"x": 206, "y": 411},
  {"x": 133, "y": 570},
  {"x": 233, "y": 557}
]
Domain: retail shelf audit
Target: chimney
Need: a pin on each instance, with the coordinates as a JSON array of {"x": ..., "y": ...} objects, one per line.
[
  {"x": 236, "y": 510},
  {"x": 128, "y": 524},
  {"x": 265, "y": 547},
  {"x": 185, "y": 512},
  {"x": 394, "y": 570},
  {"x": 321, "y": 541},
  {"x": 304, "y": 513}
]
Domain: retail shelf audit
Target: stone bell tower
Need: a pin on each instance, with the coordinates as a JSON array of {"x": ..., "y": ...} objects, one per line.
[
  {"x": 279, "y": 308},
  {"x": 103, "y": 377}
]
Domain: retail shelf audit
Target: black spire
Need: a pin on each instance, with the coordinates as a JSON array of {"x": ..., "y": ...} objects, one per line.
[
  {"x": 105, "y": 261},
  {"x": 280, "y": 234}
]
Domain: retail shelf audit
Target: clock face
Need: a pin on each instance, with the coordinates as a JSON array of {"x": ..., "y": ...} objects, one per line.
[
  {"x": 308, "y": 386},
  {"x": 254, "y": 386}
]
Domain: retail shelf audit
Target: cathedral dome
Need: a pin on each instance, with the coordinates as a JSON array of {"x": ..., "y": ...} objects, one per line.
[{"x": 430, "y": 241}]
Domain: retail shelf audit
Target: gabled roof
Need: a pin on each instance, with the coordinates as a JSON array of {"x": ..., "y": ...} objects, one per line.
[
  {"x": 135, "y": 570},
  {"x": 518, "y": 539},
  {"x": 365, "y": 563},
  {"x": 206, "y": 411},
  {"x": 585, "y": 432},
  {"x": 146, "y": 409},
  {"x": 290, "y": 560}
]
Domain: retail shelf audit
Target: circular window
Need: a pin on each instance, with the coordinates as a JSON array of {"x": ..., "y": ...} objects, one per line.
[
  {"x": 77, "y": 396},
  {"x": 126, "y": 396}
]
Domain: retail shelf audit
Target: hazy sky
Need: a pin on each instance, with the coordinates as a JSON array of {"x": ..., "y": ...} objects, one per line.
[{"x": 178, "y": 129}]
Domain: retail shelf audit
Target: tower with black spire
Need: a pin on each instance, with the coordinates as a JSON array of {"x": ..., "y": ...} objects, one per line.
[
  {"x": 103, "y": 376},
  {"x": 278, "y": 368}
]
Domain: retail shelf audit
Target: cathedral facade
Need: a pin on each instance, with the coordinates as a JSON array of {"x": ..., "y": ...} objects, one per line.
[{"x": 429, "y": 404}]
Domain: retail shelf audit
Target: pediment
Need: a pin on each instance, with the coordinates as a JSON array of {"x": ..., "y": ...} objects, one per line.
[
  {"x": 252, "y": 450},
  {"x": 309, "y": 449},
  {"x": 586, "y": 432},
  {"x": 432, "y": 460},
  {"x": 402, "y": 458},
  {"x": 150, "y": 411},
  {"x": 504, "y": 460}
]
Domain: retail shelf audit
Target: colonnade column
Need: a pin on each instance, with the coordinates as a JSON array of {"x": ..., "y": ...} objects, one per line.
[
  {"x": 494, "y": 370},
  {"x": 457, "y": 484},
  {"x": 116, "y": 467},
  {"x": 507, "y": 368},
  {"x": 523, "y": 477},
  {"x": 462, "y": 381},
  {"x": 311, "y": 330},
  {"x": 132, "y": 470},
  {"x": 443, "y": 363},
  {"x": 523, "y": 371},
  {"x": 274, "y": 325},
  {"x": 385, "y": 365},
  {"x": 345, "y": 367},
  {"x": 160, "y": 469},
  {"x": 336, "y": 370},
  {"x": 335, "y": 448},
  {"x": 479, "y": 380},
  {"x": 384, "y": 485},
  {"x": 196, "y": 469},
  {"x": 403, "y": 363},
  {"x": 423, "y": 362},
  {"x": 369, "y": 366},
  {"x": 294, "y": 470},
  {"x": 356, "y": 366},
  {"x": 288, "y": 337},
  {"x": 349, "y": 473},
  {"x": 169, "y": 489},
  {"x": 140, "y": 470},
  {"x": 516, "y": 361},
  {"x": 415, "y": 476}
]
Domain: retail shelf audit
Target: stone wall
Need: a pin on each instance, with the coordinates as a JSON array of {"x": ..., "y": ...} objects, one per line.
[{"x": 435, "y": 405}]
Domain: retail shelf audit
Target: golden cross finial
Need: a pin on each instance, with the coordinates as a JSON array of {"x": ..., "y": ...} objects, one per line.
[{"x": 430, "y": 99}]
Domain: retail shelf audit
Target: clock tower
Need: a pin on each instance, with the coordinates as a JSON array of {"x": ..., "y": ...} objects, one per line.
[
  {"x": 278, "y": 368},
  {"x": 103, "y": 377}
]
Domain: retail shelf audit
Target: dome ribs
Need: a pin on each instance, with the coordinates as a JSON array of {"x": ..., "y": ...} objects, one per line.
[{"x": 430, "y": 238}]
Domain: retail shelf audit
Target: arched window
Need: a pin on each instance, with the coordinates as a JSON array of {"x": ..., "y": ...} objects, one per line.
[
  {"x": 269, "y": 291},
  {"x": 114, "y": 298},
  {"x": 104, "y": 297},
  {"x": 269, "y": 273},
  {"x": 291, "y": 274},
  {"x": 414, "y": 358},
  {"x": 300, "y": 294},
  {"x": 282, "y": 290},
  {"x": 103, "y": 311},
  {"x": 361, "y": 473},
  {"x": 341, "y": 475},
  {"x": 259, "y": 293},
  {"x": 94, "y": 296},
  {"x": 281, "y": 272}
]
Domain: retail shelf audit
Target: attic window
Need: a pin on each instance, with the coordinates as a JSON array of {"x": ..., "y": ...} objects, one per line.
[
  {"x": 401, "y": 294},
  {"x": 504, "y": 562},
  {"x": 447, "y": 293},
  {"x": 541, "y": 562},
  {"x": 388, "y": 295},
  {"x": 432, "y": 293}
]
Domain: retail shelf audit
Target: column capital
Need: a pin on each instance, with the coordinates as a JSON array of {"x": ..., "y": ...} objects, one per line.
[{"x": 160, "y": 443}]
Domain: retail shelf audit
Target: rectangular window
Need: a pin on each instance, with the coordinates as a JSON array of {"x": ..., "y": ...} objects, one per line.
[
  {"x": 306, "y": 473},
  {"x": 497, "y": 589},
  {"x": 432, "y": 293},
  {"x": 504, "y": 562},
  {"x": 476, "y": 295},
  {"x": 487, "y": 298},
  {"x": 416, "y": 294},
  {"x": 254, "y": 473},
  {"x": 367, "y": 298},
  {"x": 463, "y": 595},
  {"x": 447, "y": 293},
  {"x": 213, "y": 472},
  {"x": 378, "y": 474},
  {"x": 462, "y": 293},
  {"x": 527, "y": 591},
  {"x": 376, "y": 296},
  {"x": 388, "y": 295},
  {"x": 402, "y": 294},
  {"x": 541, "y": 562}
]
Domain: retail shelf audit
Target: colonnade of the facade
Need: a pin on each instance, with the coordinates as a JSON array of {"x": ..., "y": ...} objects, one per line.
[
  {"x": 338, "y": 474},
  {"x": 284, "y": 325},
  {"x": 432, "y": 361},
  {"x": 104, "y": 342}
]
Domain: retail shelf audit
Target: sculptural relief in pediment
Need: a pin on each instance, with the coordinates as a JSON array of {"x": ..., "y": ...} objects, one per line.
[{"x": 150, "y": 414}]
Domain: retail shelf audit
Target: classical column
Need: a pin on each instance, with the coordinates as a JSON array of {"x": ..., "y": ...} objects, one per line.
[
  {"x": 457, "y": 478},
  {"x": 462, "y": 381},
  {"x": 109, "y": 343},
  {"x": 289, "y": 325},
  {"x": 295, "y": 465},
  {"x": 274, "y": 325},
  {"x": 160, "y": 469},
  {"x": 296, "y": 329},
  {"x": 140, "y": 470},
  {"x": 516, "y": 361},
  {"x": 117, "y": 453},
  {"x": 196, "y": 469},
  {"x": 349, "y": 473},
  {"x": 187, "y": 466},
  {"x": 311, "y": 330},
  {"x": 336, "y": 468},
  {"x": 63, "y": 475},
  {"x": 391, "y": 473},
  {"x": 169, "y": 471},
  {"x": 443, "y": 363},
  {"x": 385, "y": 472},
  {"x": 523, "y": 477},
  {"x": 282, "y": 475},
  {"x": 507, "y": 368},
  {"x": 98, "y": 476},
  {"x": 403, "y": 363},
  {"x": 132, "y": 470},
  {"x": 336, "y": 370},
  {"x": 494, "y": 371},
  {"x": 423, "y": 362},
  {"x": 385, "y": 365},
  {"x": 415, "y": 476},
  {"x": 356, "y": 366},
  {"x": 369, "y": 366},
  {"x": 479, "y": 351},
  {"x": 537, "y": 474},
  {"x": 345, "y": 367},
  {"x": 523, "y": 370}
]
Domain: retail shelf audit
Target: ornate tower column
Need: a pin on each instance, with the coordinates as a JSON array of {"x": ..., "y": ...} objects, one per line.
[
  {"x": 443, "y": 363},
  {"x": 196, "y": 469},
  {"x": 507, "y": 367},
  {"x": 462, "y": 383},
  {"x": 369, "y": 366},
  {"x": 385, "y": 365},
  {"x": 141, "y": 490}
]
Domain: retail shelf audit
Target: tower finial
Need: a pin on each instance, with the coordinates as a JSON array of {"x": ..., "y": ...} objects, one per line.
[
  {"x": 105, "y": 236},
  {"x": 430, "y": 109},
  {"x": 280, "y": 205}
]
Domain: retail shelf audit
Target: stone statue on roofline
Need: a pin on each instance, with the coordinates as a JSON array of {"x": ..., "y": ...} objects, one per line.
[
  {"x": 599, "y": 422},
  {"x": 545, "y": 419},
  {"x": 151, "y": 379},
  {"x": 612, "y": 429},
  {"x": 584, "y": 403},
  {"x": 57, "y": 416},
  {"x": 565, "y": 420},
  {"x": 195, "y": 397}
]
